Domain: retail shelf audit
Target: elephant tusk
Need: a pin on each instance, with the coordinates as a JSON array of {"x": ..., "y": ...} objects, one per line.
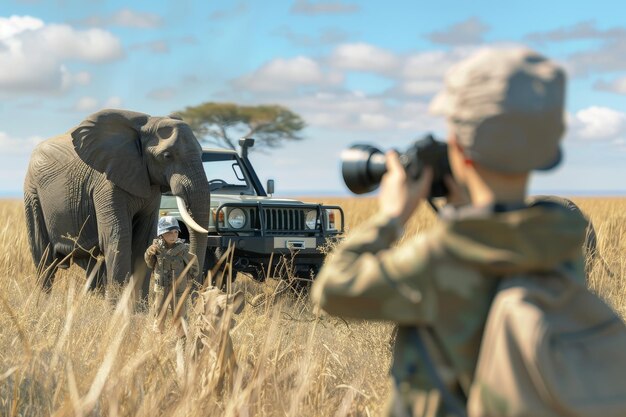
[{"x": 182, "y": 208}]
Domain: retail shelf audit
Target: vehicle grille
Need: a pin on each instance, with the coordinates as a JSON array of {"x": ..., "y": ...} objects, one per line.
[{"x": 279, "y": 219}]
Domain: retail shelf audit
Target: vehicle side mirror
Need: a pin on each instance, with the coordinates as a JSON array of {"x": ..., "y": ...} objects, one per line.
[{"x": 270, "y": 186}]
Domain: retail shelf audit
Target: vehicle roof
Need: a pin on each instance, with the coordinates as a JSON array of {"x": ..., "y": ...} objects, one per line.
[{"x": 219, "y": 150}]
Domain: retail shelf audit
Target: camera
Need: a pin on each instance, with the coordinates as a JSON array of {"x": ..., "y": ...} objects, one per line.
[{"x": 363, "y": 166}]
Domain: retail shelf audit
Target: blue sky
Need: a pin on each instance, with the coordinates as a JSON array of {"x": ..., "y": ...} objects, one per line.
[{"x": 356, "y": 71}]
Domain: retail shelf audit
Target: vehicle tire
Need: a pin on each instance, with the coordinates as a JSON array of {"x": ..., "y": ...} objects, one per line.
[
  {"x": 301, "y": 280},
  {"x": 212, "y": 258}
]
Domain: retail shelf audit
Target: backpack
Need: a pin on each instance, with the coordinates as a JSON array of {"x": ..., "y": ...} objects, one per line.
[{"x": 550, "y": 348}]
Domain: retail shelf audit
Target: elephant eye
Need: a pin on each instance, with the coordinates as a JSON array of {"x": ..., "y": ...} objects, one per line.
[{"x": 167, "y": 155}]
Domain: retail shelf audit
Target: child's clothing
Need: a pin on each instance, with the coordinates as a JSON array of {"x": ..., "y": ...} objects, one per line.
[{"x": 168, "y": 264}]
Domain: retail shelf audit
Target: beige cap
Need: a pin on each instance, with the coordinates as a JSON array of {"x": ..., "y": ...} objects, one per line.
[{"x": 506, "y": 106}]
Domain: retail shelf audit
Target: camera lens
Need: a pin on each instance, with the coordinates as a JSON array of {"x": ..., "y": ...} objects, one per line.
[{"x": 362, "y": 167}]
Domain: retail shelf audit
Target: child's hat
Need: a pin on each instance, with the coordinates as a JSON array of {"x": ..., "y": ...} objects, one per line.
[
  {"x": 167, "y": 223},
  {"x": 506, "y": 106}
]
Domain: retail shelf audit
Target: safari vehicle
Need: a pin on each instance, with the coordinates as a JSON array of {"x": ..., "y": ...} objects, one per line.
[{"x": 291, "y": 235}]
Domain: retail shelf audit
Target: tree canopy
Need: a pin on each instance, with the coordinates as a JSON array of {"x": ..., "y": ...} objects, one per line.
[{"x": 223, "y": 124}]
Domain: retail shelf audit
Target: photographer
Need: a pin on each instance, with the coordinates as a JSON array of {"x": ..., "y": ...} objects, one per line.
[{"x": 504, "y": 109}]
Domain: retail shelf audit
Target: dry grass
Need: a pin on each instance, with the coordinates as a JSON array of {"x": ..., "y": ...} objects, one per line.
[{"x": 71, "y": 352}]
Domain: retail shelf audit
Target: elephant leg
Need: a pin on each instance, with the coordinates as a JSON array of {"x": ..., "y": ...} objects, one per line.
[
  {"x": 118, "y": 264},
  {"x": 115, "y": 243},
  {"x": 100, "y": 274},
  {"x": 41, "y": 248},
  {"x": 144, "y": 231},
  {"x": 92, "y": 267},
  {"x": 113, "y": 214},
  {"x": 118, "y": 260}
]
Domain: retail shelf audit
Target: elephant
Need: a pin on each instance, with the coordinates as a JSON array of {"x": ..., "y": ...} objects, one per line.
[{"x": 95, "y": 191}]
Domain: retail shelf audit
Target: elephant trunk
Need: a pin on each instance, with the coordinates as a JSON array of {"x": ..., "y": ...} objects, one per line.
[{"x": 193, "y": 189}]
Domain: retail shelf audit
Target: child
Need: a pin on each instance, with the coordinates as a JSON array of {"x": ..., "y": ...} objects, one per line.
[{"x": 169, "y": 256}]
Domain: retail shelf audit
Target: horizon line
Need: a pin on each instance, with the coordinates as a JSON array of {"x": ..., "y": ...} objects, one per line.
[{"x": 347, "y": 193}]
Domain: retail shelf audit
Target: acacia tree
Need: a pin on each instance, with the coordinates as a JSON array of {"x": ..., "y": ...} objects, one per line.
[{"x": 222, "y": 124}]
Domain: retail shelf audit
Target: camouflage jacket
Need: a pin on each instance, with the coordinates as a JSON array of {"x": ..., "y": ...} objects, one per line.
[
  {"x": 445, "y": 279},
  {"x": 170, "y": 262}
]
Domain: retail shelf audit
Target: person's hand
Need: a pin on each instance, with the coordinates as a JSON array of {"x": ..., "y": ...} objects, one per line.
[
  {"x": 153, "y": 249},
  {"x": 457, "y": 195},
  {"x": 399, "y": 195}
]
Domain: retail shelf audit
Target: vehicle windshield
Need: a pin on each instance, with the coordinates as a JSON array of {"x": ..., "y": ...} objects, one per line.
[{"x": 225, "y": 173}]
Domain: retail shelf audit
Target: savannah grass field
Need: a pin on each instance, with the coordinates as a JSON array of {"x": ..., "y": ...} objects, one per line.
[{"x": 71, "y": 352}]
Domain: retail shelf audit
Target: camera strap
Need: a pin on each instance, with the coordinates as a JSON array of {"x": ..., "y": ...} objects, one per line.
[{"x": 432, "y": 204}]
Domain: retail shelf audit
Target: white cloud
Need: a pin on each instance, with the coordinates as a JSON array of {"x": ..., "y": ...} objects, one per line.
[
  {"x": 325, "y": 103},
  {"x": 14, "y": 155},
  {"x": 616, "y": 86},
  {"x": 126, "y": 18},
  {"x": 354, "y": 103},
  {"x": 82, "y": 78},
  {"x": 421, "y": 87},
  {"x": 324, "y": 37},
  {"x": 85, "y": 104},
  {"x": 13, "y": 25},
  {"x": 13, "y": 146},
  {"x": 414, "y": 75},
  {"x": 285, "y": 75},
  {"x": 239, "y": 9},
  {"x": 300, "y": 70},
  {"x": 597, "y": 123},
  {"x": 326, "y": 119},
  {"x": 156, "y": 47},
  {"x": 433, "y": 64},
  {"x": 165, "y": 93},
  {"x": 328, "y": 7},
  {"x": 93, "y": 45},
  {"x": 90, "y": 104},
  {"x": 621, "y": 142},
  {"x": 355, "y": 112},
  {"x": 130, "y": 18},
  {"x": 580, "y": 30},
  {"x": 467, "y": 32},
  {"x": 34, "y": 56},
  {"x": 375, "y": 121},
  {"x": 112, "y": 103},
  {"x": 364, "y": 57},
  {"x": 341, "y": 111},
  {"x": 607, "y": 55}
]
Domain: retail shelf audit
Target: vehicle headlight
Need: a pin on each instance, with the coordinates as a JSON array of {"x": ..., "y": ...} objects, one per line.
[
  {"x": 310, "y": 220},
  {"x": 236, "y": 218}
]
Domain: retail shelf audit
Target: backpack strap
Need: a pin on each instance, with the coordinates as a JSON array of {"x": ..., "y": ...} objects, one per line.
[
  {"x": 450, "y": 401},
  {"x": 418, "y": 335}
]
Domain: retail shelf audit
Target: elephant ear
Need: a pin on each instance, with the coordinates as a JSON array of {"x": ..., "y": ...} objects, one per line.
[{"x": 109, "y": 141}]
